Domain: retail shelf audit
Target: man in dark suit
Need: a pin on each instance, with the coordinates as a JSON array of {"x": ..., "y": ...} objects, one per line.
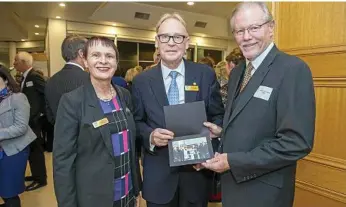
[
  {"x": 70, "y": 77},
  {"x": 269, "y": 120},
  {"x": 172, "y": 81},
  {"x": 32, "y": 86}
]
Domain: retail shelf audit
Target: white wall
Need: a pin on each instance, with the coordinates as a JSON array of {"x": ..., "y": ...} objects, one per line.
[{"x": 57, "y": 33}]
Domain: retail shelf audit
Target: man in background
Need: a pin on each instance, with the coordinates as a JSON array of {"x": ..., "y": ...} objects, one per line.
[
  {"x": 70, "y": 77},
  {"x": 32, "y": 85}
]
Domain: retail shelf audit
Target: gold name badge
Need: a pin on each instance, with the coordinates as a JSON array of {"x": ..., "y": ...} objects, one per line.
[
  {"x": 100, "y": 122},
  {"x": 191, "y": 88}
]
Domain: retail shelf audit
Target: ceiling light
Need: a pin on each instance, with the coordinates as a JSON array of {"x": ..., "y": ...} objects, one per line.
[
  {"x": 62, "y": 5},
  {"x": 37, "y": 26},
  {"x": 37, "y": 33},
  {"x": 190, "y": 3},
  {"x": 23, "y": 40},
  {"x": 58, "y": 17}
]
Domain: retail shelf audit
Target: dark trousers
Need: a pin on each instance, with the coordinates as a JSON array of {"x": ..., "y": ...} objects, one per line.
[
  {"x": 47, "y": 134},
  {"x": 36, "y": 158},
  {"x": 12, "y": 202},
  {"x": 179, "y": 200}
]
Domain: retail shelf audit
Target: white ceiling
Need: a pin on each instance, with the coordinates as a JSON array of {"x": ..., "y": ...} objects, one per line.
[{"x": 18, "y": 19}]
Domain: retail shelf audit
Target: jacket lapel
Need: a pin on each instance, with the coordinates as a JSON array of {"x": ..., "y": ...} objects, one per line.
[
  {"x": 27, "y": 79},
  {"x": 233, "y": 84},
  {"x": 254, "y": 83},
  {"x": 95, "y": 109},
  {"x": 191, "y": 79},
  {"x": 158, "y": 87}
]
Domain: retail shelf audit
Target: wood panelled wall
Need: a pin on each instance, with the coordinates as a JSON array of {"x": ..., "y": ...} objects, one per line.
[{"x": 316, "y": 32}]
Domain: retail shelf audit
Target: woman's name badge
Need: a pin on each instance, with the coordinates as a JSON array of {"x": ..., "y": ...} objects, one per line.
[{"x": 100, "y": 122}]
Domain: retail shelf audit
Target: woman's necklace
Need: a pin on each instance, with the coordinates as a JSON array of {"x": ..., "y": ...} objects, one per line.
[{"x": 108, "y": 99}]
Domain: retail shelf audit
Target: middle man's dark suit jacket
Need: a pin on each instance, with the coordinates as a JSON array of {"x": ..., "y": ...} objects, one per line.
[{"x": 149, "y": 97}]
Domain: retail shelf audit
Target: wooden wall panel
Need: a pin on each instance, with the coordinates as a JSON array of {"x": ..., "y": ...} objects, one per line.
[
  {"x": 307, "y": 197},
  {"x": 326, "y": 64},
  {"x": 311, "y": 24},
  {"x": 316, "y": 32},
  {"x": 330, "y": 132}
]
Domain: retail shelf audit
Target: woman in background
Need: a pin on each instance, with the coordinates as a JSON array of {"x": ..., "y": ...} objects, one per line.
[
  {"x": 232, "y": 60},
  {"x": 94, "y": 156},
  {"x": 15, "y": 136}
]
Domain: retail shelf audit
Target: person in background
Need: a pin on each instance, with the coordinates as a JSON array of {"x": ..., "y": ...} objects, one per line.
[
  {"x": 94, "y": 157},
  {"x": 232, "y": 60},
  {"x": 220, "y": 70},
  {"x": 138, "y": 68},
  {"x": 269, "y": 122},
  {"x": 70, "y": 77},
  {"x": 208, "y": 61},
  {"x": 42, "y": 74},
  {"x": 18, "y": 77},
  {"x": 169, "y": 83},
  {"x": 15, "y": 137},
  {"x": 119, "y": 81},
  {"x": 130, "y": 74},
  {"x": 156, "y": 59},
  {"x": 32, "y": 86}
]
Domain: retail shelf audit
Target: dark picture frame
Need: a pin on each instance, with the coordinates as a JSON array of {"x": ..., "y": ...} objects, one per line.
[{"x": 188, "y": 150}]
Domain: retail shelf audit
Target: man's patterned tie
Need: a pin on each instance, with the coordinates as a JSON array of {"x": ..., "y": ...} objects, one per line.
[
  {"x": 247, "y": 76},
  {"x": 173, "y": 92}
]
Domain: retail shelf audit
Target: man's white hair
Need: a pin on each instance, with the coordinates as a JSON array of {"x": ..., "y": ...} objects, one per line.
[
  {"x": 245, "y": 5},
  {"x": 26, "y": 58},
  {"x": 170, "y": 16}
]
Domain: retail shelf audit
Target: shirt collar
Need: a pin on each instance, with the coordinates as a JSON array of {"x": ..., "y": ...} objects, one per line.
[
  {"x": 180, "y": 69},
  {"x": 75, "y": 64},
  {"x": 26, "y": 72},
  {"x": 257, "y": 61}
]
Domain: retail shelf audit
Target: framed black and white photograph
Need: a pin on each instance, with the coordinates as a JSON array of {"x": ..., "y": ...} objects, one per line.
[{"x": 187, "y": 150}]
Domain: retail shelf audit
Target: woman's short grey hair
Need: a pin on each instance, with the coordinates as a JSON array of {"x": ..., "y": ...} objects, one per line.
[
  {"x": 71, "y": 45},
  {"x": 242, "y": 6}
]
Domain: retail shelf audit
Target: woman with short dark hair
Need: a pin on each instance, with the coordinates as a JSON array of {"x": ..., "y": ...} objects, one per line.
[
  {"x": 94, "y": 157},
  {"x": 15, "y": 136}
]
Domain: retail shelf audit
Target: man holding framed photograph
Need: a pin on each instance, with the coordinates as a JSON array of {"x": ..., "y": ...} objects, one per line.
[{"x": 172, "y": 81}]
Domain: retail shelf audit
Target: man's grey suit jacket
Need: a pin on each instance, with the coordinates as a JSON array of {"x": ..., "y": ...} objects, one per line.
[{"x": 265, "y": 138}]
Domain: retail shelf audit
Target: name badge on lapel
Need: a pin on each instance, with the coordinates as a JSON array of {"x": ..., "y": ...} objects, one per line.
[
  {"x": 263, "y": 92},
  {"x": 192, "y": 88},
  {"x": 100, "y": 122},
  {"x": 29, "y": 84}
]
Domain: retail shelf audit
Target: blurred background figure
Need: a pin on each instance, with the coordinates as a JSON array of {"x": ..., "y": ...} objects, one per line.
[
  {"x": 130, "y": 74},
  {"x": 18, "y": 77},
  {"x": 15, "y": 136},
  {"x": 33, "y": 85},
  {"x": 156, "y": 58},
  {"x": 232, "y": 60},
  {"x": 208, "y": 61},
  {"x": 222, "y": 77}
]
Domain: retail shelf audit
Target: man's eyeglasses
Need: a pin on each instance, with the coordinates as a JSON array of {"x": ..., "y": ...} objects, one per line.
[
  {"x": 178, "y": 39},
  {"x": 252, "y": 29}
]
